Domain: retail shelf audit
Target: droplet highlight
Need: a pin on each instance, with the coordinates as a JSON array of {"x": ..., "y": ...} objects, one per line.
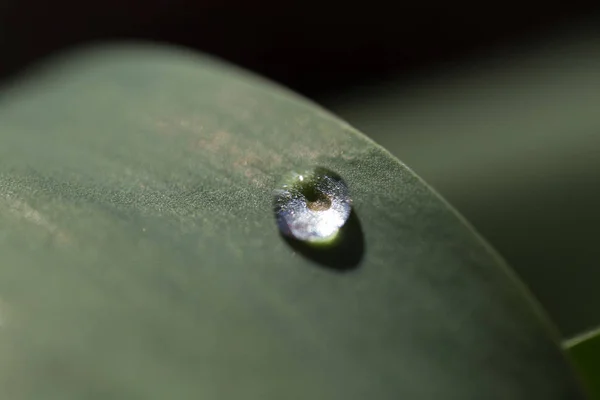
[{"x": 312, "y": 205}]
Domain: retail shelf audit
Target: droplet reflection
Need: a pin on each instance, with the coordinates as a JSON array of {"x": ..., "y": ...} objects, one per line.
[{"x": 312, "y": 206}]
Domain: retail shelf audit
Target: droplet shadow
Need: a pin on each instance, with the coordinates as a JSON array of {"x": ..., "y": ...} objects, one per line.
[{"x": 344, "y": 255}]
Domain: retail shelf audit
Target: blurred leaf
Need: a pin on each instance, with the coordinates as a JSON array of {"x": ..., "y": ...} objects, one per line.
[
  {"x": 511, "y": 139},
  {"x": 140, "y": 257},
  {"x": 585, "y": 352}
]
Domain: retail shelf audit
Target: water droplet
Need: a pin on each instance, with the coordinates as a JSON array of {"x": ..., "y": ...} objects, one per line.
[{"x": 312, "y": 206}]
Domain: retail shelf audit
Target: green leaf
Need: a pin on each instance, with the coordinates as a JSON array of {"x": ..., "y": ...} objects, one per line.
[
  {"x": 585, "y": 352},
  {"x": 140, "y": 257}
]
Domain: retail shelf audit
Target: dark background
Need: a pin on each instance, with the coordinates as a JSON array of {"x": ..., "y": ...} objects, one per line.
[{"x": 314, "y": 47}]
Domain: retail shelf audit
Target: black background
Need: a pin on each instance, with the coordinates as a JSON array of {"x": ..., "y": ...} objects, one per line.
[{"x": 313, "y": 47}]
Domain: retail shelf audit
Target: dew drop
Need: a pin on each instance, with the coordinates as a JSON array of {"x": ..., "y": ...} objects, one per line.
[{"x": 312, "y": 206}]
